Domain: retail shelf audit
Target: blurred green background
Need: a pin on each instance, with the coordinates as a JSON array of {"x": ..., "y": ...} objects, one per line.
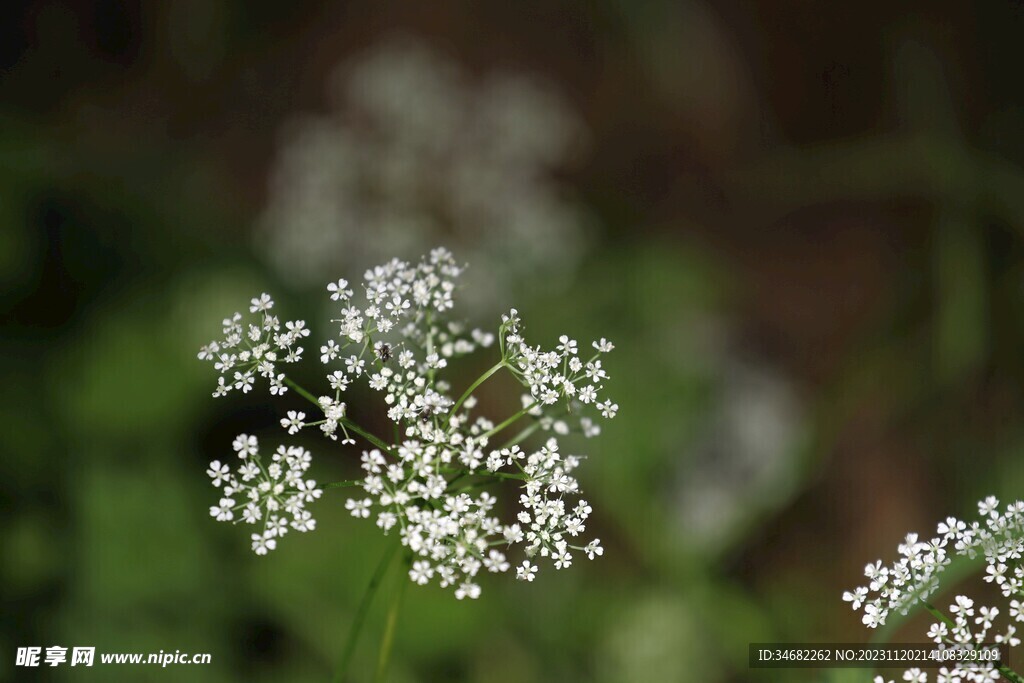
[{"x": 800, "y": 222}]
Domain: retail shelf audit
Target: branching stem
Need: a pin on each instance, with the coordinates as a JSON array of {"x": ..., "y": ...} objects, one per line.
[
  {"x": 361, "y": 611},
  {"x": 349, "y": 424},
  {"x": 472, "y": 387}
]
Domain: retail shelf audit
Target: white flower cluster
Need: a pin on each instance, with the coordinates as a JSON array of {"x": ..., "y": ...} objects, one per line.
[
  {"x": 998, "y": 537},
  {"x": 968, "y": 629},
  {"x": 427, "y": 482},
  {"x": 475, "y": 162},
  {"x": 395, "y": 340},
  {"x": 248, "y": 349},
  {"x": 559, "y": 374},
  {"x": 274, "y": 495},
  {"x": 452, "y": 532}
]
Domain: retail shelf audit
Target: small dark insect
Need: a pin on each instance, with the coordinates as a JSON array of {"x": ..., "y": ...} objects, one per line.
[
  {"x": 425, "y": 415},
  {"x": 384, "y": 353}
]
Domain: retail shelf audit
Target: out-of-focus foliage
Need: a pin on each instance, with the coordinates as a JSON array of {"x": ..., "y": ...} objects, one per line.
[{"x": 806, "y": 246}]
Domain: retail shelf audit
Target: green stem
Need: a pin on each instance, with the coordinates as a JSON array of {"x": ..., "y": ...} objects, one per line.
[
  {"x": 487, "y": 482},
  {"x": 496, "y": 475},
  {"x": 388, "y": 640},
  {"x": 366, "y": 435},
  {"x": 302, "y": 392},
  {"x": 509, "y": 475},
  {"x": 343, "y": 484},
  {"x": 512, "y": 419},
  {"x": 474, "y": 486},
  {"x": 937, "y": 613},
  {"x": 345, "y": 421},
  {"x": 518, "y": 438},
  {"x": 361, "y": 611},
  {"x": 472, "y": 387},
  {"x": 458, "y": 476}
]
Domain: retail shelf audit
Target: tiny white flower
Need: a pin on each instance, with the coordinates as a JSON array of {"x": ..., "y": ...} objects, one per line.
[
  {"x": 421, "y": 572},
  {"x": 988, "y": 506},
  {"x": 261, "y": 303},
  {"x": 294, "y": 422},
  {"x": 608, "y": 409},
  {"x": 261, "y": 544},
  {"x": 359, "y": 508},
  {"x": 526, "y": 571},
  {"x": 245, "y": 445},
  {"x": 468, "y": 590},
  {"x": 339, "y": 290},
  {"x": 915, "y": 676},
  {"x": 223, "y": 511},
  {"x": 218, "y": 472}
]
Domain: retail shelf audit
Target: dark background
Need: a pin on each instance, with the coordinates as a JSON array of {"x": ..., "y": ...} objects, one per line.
[{"x": 803, "y": 231}]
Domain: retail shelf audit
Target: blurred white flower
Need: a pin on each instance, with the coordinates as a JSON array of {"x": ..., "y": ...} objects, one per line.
[
  {"x": 414, "y": 151},
  {"x": 746, "y": 451}
]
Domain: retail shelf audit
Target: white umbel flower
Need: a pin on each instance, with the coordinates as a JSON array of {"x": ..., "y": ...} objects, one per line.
[
  {"x": 272, "y": 495},
  {"x": 429, "y": 484},
  {"x": 998, "y": 537},
  {"x": 251, "y": 349}
]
